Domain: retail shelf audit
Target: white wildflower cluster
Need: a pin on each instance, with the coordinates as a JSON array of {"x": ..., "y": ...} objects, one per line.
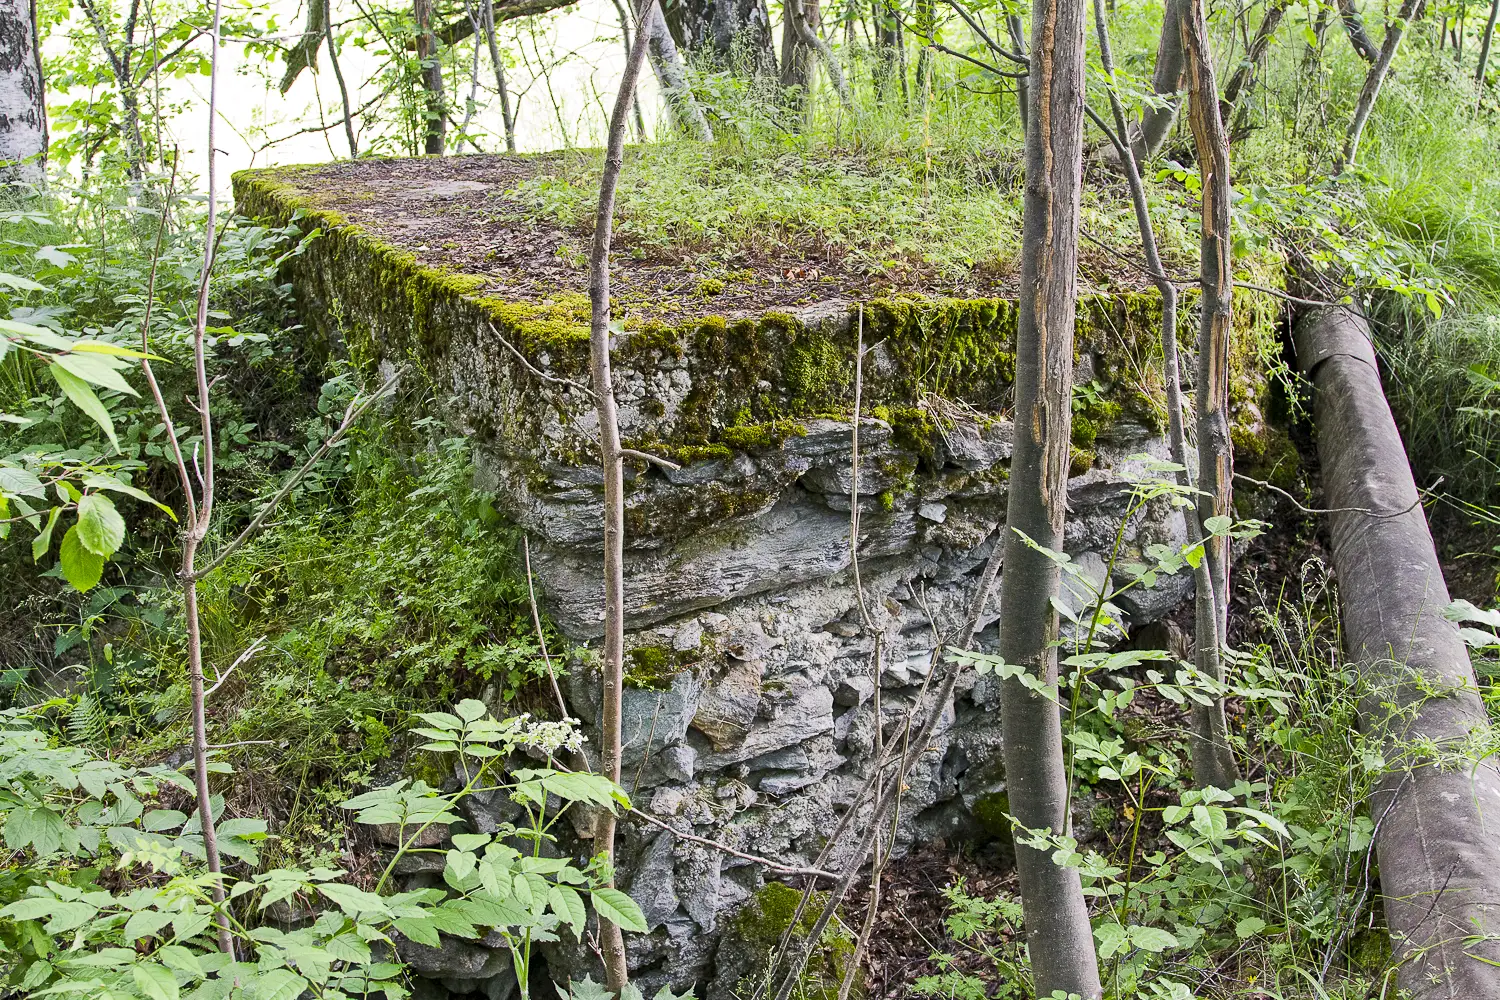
[{"x": 549, "y": 737}]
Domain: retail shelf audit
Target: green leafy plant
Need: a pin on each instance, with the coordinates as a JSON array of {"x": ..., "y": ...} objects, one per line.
[{"x": 114, "y": 899}]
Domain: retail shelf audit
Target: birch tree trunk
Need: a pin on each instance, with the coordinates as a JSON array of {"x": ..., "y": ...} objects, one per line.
[
  {"x": 23, "y": 113},
  {"x": 1057, "y": 920},
  {"x": 798, "y": 59},
  {"x": 1213, "y": 760},
  {"x": 666, "y": 63}
]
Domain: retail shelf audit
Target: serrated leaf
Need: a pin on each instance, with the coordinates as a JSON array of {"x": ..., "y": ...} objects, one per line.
[
  {"x": 568, "y": 905},
  {"x": 619, "y": 909},
  {"x": 155, "y": 981},
  {"x": 145, "y": 924},
  {"x": 587, "y": 989},
  {"x": 471, "y": 710},
  {"x": 101, "y": 529},
  {"x": 44, "y": 538},
  {"x": 80, "y": 567},
  {"x": 1152, "y": 939},
  {"x": 1249, "y": 927},
  {"x": 21, "y": 482}
]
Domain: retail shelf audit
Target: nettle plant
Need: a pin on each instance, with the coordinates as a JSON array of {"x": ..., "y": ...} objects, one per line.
[{"x": 107, "y": 895}]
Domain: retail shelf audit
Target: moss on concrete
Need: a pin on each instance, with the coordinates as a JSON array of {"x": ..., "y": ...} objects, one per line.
[{"x": 751, "y": 381}]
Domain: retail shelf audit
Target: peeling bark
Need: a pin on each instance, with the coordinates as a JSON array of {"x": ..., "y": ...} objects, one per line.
[
  {"x": 1213, "y": 760},
  {"x": 1058, "y": 933}
]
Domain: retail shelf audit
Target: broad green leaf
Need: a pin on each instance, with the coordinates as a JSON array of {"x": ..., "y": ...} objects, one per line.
[
  {"x": 568, "y": 905},
  {"x": 145, "y": 924},
  {"x": 103, "y": 481},
  {"x": 83, "y": 397},
  {"x": 95, "y": 369},
  {"x": 113, "y": 350},
  {"x": 101, "y": 529},
  {"x": 35, "y": 334},
  {"x": 1152, "y": 939},
  {"x": 470, "y": 710},
  {"x": 19, "y": 283},
  {"x": 1111, "y": 938},
  {"x": 460, "y": 866},
  {"x": 470, "y": 841},
  {"x": 155, "y": 981},
  {"x": 278, "y": 984},
  {"x": 80, "y": 567},
  {"x": 619, "y": 909},
  {"x": 21, "y": 482},
  {"x": 1249, "y": 927}
]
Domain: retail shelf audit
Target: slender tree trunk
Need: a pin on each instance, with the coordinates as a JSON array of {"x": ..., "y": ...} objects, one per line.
[
  {"x": 887, "y": 47},
  {"x": 1358, "y": 36},
  {"x": 487, "y": 15},
  {"x": 666, "y": 62},
  {"x": 23, "y": 110},
  {"x": 199, "y": 524},
  {"x": 1023, "y": 87},
  {"x": 1247, "y": 73},
  {"x": 1375, "y": 79},
  {"x": 796, "y": 15},
  {"x": 1058, "y": 934},
  {"x": 1207, "y": 652},
  {"x": 432, "y": 79},
  {"x": 635, "y": 104},
  {"x": 1485, "y": 42},
  {"x": 1166, "y": 82},
  {"x": 612, "y": 943},
  {"x": 338, "y": 74},
  {"x": 1213, "y": 760},
  {"x": 305, "y": 53}
]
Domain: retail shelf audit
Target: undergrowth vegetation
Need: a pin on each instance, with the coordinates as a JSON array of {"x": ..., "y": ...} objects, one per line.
[{"x": 387, "y": 588}]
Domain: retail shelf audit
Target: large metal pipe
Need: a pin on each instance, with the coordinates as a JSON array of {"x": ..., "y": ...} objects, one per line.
[{"x": 1437, "y": 811}]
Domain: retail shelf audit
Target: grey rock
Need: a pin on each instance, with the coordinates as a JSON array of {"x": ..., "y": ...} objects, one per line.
[
  {"x": 653, "y": 720},
  {"x": 935, "y": 512},
  {"x": 729, "y": 704},
  {"x": 809, "y": 713},
  {"x": 854, "y": 690},
  {"x": 652, "y": 884}
]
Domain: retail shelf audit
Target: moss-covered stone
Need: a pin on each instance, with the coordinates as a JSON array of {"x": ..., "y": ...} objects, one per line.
[
  {"x": 759, "y": 927},
  {"x": 992, "y": 811}
]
